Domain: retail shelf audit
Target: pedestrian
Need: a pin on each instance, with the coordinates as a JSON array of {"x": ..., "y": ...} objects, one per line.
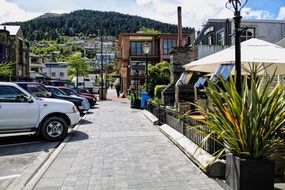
[
  {"x": 118, "y": 88},
  {"x": 111, "y": 85}
]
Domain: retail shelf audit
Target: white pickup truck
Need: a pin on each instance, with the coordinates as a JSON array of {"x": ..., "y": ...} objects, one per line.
[{"x": 22, "y": 112}]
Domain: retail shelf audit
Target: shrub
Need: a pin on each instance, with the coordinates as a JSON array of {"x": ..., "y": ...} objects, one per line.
[
  {"x": 247, "y": 124},
  {"x": 158, "y": 89}
]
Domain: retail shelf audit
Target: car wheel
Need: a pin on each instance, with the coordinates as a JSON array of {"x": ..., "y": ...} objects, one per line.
[{"x": 54, "y": 129}]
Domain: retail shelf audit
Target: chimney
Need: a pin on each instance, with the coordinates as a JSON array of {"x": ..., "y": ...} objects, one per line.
[{"x": 179, "y": 40}]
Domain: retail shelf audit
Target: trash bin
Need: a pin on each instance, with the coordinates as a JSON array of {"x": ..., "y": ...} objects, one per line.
[
  {"x": 102, "y": 96},
  {"x": 144, "y": 98}
]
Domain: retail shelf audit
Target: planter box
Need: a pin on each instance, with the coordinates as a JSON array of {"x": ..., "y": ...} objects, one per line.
[
  {"x": 278, "y": 156},
  {"x": 249, "y": 174}
]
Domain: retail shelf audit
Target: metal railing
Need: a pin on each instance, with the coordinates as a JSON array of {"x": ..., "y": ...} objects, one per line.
[{"x": 190, "y": 128}]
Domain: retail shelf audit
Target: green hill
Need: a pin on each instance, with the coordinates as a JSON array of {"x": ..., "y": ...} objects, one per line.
[{"x": 89, "y": 22}]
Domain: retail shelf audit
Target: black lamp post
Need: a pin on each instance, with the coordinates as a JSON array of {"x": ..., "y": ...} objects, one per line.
[
  {"x": 236, "y": 6},
  {"x": 146, "y": 50}
]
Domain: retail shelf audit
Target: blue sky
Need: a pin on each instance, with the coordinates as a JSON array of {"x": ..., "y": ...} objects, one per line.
[{"x": 194, "y": 12}]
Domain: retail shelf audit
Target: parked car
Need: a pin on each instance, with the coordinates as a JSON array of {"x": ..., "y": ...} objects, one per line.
[
  {"x": 60, "y": 83},
  {"x": 20, "y": 111},
  {"x": 40, "y": 90},
  {"x": 84, "y": 92},
  {"x": 71, "y": 92}
]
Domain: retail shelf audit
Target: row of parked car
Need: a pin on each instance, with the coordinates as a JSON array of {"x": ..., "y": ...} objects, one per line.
[{"x": 46, "y": 110}]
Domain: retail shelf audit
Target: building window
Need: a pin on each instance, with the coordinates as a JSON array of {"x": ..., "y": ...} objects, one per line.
[
  {"x": 221, "y": 38},
  {"x": 137, "y": 48},
  {"x": 209, "y": 39},
  {"x": 248, "y": 34},
  {"x": 53, "y": 74},
  {"x": 137, "y": 66},
  {"x": 61, "y": 74},
  {"x": 168, "y": 44}
]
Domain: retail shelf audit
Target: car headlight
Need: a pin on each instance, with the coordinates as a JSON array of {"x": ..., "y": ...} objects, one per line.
[{"x": 74, "y": 109}]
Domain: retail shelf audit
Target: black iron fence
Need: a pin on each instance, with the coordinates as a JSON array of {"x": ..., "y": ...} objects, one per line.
[{"x": 189, "y": 128}]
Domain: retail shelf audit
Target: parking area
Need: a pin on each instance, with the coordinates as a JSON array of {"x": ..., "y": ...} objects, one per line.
[{"x": 20, "y": 156}]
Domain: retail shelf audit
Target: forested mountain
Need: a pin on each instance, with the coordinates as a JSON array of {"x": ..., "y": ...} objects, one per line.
[{"x": 89, "y": 22}]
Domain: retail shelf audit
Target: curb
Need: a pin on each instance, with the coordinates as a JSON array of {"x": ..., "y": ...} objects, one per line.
[
  {"x": 151, "y": 117},
  {"x": 42, "y": 168},
  {"x": 198, "y": 155}
]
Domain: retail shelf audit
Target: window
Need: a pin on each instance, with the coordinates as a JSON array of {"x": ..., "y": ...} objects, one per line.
[
  {"x": 11, "y": 94},
  {"x": 248, "y": 34},
  {"x": 209, "y": 40},
  {"x": 61, "y": 74},
  {"x": 137, "y": 48},
  {"x": 53, "y": 74},
  {"x": 56, "y": 91},
  {"x": 200, "y": 82},
  {"x": 137, "y": 68},
  {"x": 221, "y": 38},
  {"x": 222, "y": 70},
  {"x": 168, "y": 44}
]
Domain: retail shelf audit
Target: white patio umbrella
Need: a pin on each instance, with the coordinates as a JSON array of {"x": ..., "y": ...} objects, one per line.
[{"x": 254, "y": 53}]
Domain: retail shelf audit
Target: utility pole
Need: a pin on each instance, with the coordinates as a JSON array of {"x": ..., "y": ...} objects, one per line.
[{"x": 102, "y": 70}]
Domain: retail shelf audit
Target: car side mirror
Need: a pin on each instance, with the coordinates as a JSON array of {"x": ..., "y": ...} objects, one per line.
[
  {"x": 30, "y": 99},
  {"x": 23, "y": 98},
  {"x": 49, "y": 94}
]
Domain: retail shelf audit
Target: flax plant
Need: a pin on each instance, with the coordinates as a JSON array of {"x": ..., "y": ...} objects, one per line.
[{"x": 249, "y": 124}]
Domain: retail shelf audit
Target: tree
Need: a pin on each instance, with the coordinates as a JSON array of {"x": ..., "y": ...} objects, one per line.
[
  {"x": 5, "y": 68},
  {"x": 147, "y": 30},
  {"x": 159, "y": 74},
  {"x": 77, "y": 66}
]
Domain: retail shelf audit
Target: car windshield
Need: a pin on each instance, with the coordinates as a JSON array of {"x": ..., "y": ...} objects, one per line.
[
  {"x": 56, "y": 91},
  {"x": 69, "y": 91}
]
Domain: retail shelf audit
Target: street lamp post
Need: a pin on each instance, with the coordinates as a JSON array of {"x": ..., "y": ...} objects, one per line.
[
  {"x": 146, "y": 50},
  {"x": 237, "y": 5}
]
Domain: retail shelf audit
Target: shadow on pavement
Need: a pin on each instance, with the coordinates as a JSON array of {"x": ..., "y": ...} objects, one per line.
[
  {"x": 85, "y": 122},
  {"x": 23, "y": 144},
  {"x": 78, "y": 136}
]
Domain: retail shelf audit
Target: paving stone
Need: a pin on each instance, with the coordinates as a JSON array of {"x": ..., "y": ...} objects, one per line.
[{"x": 123, "y": 151}]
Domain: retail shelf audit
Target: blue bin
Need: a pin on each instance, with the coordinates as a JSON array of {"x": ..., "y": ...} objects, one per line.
[{"x": 144, "y": 98}]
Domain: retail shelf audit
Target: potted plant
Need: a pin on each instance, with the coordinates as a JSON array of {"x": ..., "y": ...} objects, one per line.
[{"x": 248, "y": 126}]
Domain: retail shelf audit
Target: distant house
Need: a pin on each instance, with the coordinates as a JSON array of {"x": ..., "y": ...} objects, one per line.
[
  {"x": 217, "y": 34},
  {"x": 4, "y": 45},
  {"x": 36, "y": 67},
  {"x": 36, "y": 63},
  {"x": 56, "y": 70},
  {"x": 18, "y": 52},
  {"x": 130, "y": 54}
]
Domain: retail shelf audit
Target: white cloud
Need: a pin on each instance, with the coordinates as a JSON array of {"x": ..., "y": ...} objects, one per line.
[
  {"x": 281, "y": 15},
  {"x": 143, "y": 2},
  {"x": 193, "y": 12},
  {"x": 59, "y": 11},
  {"x": 12, "y": 12},
  {"x": 196, "y": 12},
  {"x": 256, "y": 14}
]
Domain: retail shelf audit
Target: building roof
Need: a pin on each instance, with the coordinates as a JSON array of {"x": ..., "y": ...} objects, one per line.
[
  {"x": 12, "y": 29},
  {"x": 248, "y": 20}
]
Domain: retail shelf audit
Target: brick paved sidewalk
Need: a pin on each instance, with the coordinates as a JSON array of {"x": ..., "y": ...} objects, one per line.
[{"x": 116, "y": 147}]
